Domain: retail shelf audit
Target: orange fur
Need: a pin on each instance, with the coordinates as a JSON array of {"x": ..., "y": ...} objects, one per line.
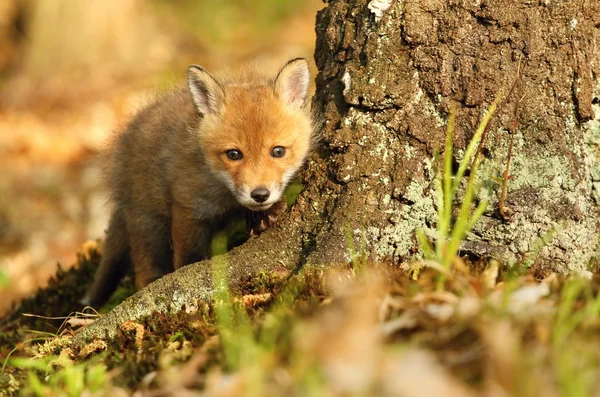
[
  {"x": 171, "y": 180},
  {"x": 254, "y": 121}
]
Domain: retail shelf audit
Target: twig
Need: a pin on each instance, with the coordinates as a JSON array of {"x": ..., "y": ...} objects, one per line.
[
  {"x": 504, "y": 100},
  {"x": 66, "y": 319},
  {"x": 480, "y": 147},
  {"x": 504, "y": 211},
  {"x": 62, "y": 317}
]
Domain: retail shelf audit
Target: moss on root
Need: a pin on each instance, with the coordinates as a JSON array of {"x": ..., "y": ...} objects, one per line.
[
  {"x": 58, "y": 299},
  {"x": 161, "y": 339}
]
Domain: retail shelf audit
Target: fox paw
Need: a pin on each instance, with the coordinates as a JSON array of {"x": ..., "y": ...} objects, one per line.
[{"x": 259, "y": 221}]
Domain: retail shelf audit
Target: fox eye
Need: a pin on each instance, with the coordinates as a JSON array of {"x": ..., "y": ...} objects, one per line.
[
  {"x": 278, "y": 151},
  {"x": 233, "y": 154}
]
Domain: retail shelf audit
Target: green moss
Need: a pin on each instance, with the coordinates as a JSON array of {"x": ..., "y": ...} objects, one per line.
[
  {"x": 546, "y": 181},
  {"x": 592, "y": 141},
  {"x": 59, "y": 298},
  {"x": 264, "y": 282},
  {"x": 292, "y": 192},
  {"x": 125, "y": 290}
]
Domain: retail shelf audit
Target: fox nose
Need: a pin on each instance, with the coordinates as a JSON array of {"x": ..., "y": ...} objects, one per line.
[{"x": 260, "y": 194}]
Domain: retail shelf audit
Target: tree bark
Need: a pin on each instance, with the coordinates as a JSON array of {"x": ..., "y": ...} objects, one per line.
[{"x": 388, "y": 72}]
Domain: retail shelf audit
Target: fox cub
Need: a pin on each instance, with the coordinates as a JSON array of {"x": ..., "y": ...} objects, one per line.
[{"x": 195, "y": 157}]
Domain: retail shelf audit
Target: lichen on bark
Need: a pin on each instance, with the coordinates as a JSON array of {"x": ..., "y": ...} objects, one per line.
[
  {"x": 401, "y": 69},
  {"x": 386, "y": 81}
]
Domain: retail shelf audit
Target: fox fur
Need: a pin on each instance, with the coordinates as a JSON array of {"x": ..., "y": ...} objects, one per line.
[{"x": 174, "y": 175}]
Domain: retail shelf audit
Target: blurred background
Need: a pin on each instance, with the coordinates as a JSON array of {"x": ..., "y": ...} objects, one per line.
[{"x": 73, "y": 72}]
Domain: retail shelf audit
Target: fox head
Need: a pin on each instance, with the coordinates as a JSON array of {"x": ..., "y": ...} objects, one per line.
[{"x": 254, "y": 134}]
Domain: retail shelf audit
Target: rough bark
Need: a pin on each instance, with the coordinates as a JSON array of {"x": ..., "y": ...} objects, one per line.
[
  {"x": 388, "y": 77},
  {"x": 388, "y": 71}
]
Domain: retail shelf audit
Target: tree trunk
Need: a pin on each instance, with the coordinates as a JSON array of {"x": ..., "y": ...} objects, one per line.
[{"x": 388, "y": 72}]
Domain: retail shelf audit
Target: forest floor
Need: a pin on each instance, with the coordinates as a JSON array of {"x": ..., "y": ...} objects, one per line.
[
  {"x": 361, "y": 330},
  {"x": 57, "y": 112}
]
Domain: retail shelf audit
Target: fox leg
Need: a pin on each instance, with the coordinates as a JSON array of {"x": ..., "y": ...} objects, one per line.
[
  {"x": 151, "y": 252},
  {"x": 259, "y": 221},
  {"x": 114, "y": 263},
  {"x": 191, "y": 238}
]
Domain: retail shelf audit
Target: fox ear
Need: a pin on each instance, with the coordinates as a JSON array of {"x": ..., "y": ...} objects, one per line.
[
  {"x": 291, "y": 84},
  {"x": 207, "y": 93}
]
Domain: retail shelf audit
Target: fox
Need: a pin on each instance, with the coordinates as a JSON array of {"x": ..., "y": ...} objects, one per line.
[{"x": 195, "y": 157}]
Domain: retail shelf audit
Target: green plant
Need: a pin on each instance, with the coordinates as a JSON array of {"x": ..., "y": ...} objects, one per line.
[
  {"x": 358, "y": 258},
  {"x": 252, "y": 350},
  {"x": 574, "y": 362},
  {"x": 451, "y": 233},
  {"x": 68, "y": 380},
  {"x": 7, "y": 358}
]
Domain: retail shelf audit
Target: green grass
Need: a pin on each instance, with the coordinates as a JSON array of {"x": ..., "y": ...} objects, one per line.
[
  {"x": 280, "y": 347},
  {"x": 10, "y": 353},
  {"x": 576, "y": 366},
  {"x": 450, "y": 233},
  {"x": 252, "y": 350},
  {"x": 58, "y": 376}
]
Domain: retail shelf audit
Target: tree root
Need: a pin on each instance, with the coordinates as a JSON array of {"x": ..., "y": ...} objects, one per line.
[{"x": 277, "y": 247}]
